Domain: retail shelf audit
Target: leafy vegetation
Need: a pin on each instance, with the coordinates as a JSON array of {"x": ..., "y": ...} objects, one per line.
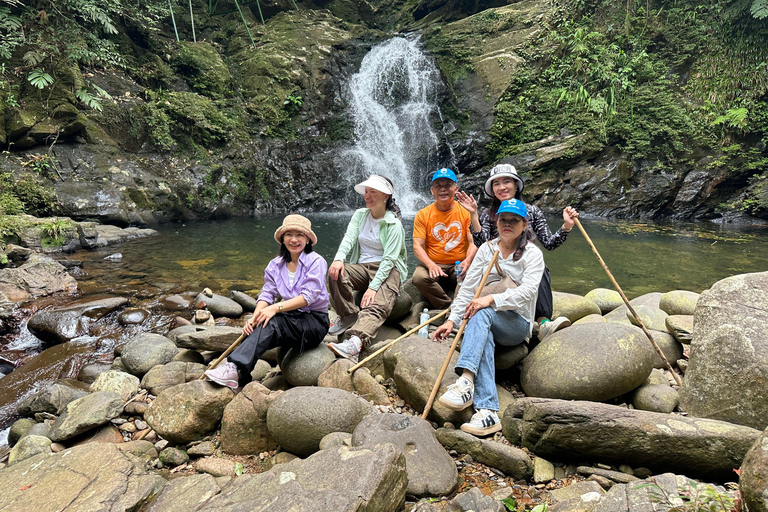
[
  {"x": 695, "y": 497},
  {"x": 26, "y": 193}
]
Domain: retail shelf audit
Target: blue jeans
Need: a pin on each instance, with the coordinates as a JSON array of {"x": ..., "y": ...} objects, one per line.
[{"x": 484, "y": 331}]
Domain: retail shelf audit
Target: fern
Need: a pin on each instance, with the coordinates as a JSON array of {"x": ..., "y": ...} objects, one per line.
[
  {"x": 89, "y": 99},
  {"x": 40, "y": 78},
  {"x": 33, "y": 58},
  {"x": 759, "y": 9}
]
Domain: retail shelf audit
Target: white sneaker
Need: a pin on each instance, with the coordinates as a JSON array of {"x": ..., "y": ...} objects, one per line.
[
  {"x": 341, "y": 324},
  {"x": 350, "y": 348},
  {"x": 555, "y": 325},
  {"x": 225, "y": 374},
  {"x": 483, "y": 423},
  {"x": 459, "y": 395}
]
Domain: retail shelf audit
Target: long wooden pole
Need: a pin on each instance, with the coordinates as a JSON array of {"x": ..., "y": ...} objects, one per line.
[
  {"x": 629, "y": 306},
  {"x": 385, "y": 347},
  {"x": 436, "y": 387},
  {"x": 225, "y": 354}
]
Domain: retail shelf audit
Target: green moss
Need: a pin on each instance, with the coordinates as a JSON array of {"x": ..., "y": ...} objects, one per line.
[
  {"x": 202, "y": 67},
  {"x": 26, "y": 193}
]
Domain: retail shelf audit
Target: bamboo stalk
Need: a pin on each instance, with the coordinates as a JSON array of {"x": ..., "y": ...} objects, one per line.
[
  {"x": 192, "y": 18},
  {"x": 173, "y": 19},
  {"x": 237, "y": 4}
]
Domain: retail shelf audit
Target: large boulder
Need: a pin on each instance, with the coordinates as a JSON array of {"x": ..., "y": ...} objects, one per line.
[
  {"x": 205, "y": 337},
  {"x": 580, "y": 431},
  {"x": 620, "y": 313},
  {"x": 244, "y": 424},
  {"x": 219, "y": 305},
  {"x": 572, "y": 306},
  {"x": 93, "y": 476},
  {"x": 186, "y": 412},
  {"x": 607, "y": 300},
  {"x": 300, "y": 417},
  {"x": 728, "y": 364},
  {"x": 512, "y": 461},
  {"x": 164, "y": 376},
  {"x": 588, "y": 362},
  {"x": 52, "y": 398},
  {"x": 85, "y": 413},
  {"x": 183, "y": 494},
  {"x": 146, "y": 350},
  {"x": 679, "y": 302},
  {"x": 303, "y": 368},
  {"x": 39, "y": 276},
  {"x": 431, "y": 471},
  {"x": 753, "y": 479},
  {"x": 341, "y": 480},
  {"x": 63, "y": 324},
  {"x": 124, "y": 384},
  {"x": 652, "y": 318}
]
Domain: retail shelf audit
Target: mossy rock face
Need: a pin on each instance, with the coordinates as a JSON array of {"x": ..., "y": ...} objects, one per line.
[
  {"x": 202, "y": 67},
  {"x": 19, "y": 123}
]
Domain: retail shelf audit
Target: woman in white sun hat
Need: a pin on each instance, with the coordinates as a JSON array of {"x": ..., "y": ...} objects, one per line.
[
  {"x": 371, "y": 257},
  {"x": 503, "y": 183}
]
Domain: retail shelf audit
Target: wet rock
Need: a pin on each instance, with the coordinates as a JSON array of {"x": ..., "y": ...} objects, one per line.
[
  {"x": 89, "y": 372},
  {"x": 303, "y": 369},
  {"x": 96, "y": 477},
  {"x": 507, "y": 357},
  {"x": 572, "y": 306},
  {"x": 162, "y": 377},
  {"x": 39, "y": 276},
  {"x": 362, "y": 479},
  {"x": 368, "y": 389},
  {"x": 607, "y": 300},
  {"x": 188, "y": 411},
  {"x": 216, "y": 466},
  {"x": 133, "y": 316},
  {"x": 301, "y": 417},
  {"x": 201, "y": 337},
  {"x": 728, "y": 362},
  {"x": 681, "y": 327},
  {"x": 679, "y": 302},
  {"x": 247, "y": 302},
  {"x": 19, "y": 429},
  {"x": 580, "y": 431},
  {"x": 753, "y": 480},
  {"x": 431, "y": 471},
  {"x": 173, "y": 456},
  {"x": 244, "y": 423},
  {"x": 124, "y": 384},
  {"x": 53, "y": 398},
  {"x": 146, "y": 350},
  {"x": 184, "y": 494},
  {"x": 652, "y": 318},
  {"x": 219, "y": 305},
  {"x": 337, "y": 376},
  {"x": 509, "y": 459},
  {"x": 588, "y": 362},
  {"x": 63, "y": 324},
  {"x": 29, "y": 446},
  {"x": 175, "y": 303},
  {"x": 85, "y": 413}
]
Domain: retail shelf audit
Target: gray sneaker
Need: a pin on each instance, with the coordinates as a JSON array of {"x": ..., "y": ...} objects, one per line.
[
  {"x": 555, "y": 325},
  {"x": 341, "y": 324},
  {"x": 350, "y": 348}
]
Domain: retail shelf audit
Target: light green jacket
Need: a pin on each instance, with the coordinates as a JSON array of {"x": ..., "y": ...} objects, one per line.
[{"x": 392, "y": 237}]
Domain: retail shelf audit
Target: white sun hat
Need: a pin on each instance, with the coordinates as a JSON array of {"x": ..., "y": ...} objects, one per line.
[{"x": 375, "y": 182}]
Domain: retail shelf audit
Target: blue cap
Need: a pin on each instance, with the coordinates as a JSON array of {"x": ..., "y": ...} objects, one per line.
[
  {"x": 445, "y": 173},
  {"x": 515, "y": 206}
]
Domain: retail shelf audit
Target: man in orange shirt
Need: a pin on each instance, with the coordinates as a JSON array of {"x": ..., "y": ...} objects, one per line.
[{"x": 441, "y": 237}]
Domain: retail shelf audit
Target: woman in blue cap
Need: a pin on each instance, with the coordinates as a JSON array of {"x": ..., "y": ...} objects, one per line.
[{"x": 504, "y": 318}]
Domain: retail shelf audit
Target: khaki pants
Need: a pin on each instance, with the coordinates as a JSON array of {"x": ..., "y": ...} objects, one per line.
[
  {"x": 435, "y": 289},
  {"x": 357, "y": 276}
]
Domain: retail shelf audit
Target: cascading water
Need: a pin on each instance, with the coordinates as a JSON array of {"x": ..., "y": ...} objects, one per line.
[{"x": 393, "y": 105}]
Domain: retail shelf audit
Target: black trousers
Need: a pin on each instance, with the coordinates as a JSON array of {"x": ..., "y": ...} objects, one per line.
[
  {"x": 292, "y": 329},
  {"x": 544, "y": 299}
]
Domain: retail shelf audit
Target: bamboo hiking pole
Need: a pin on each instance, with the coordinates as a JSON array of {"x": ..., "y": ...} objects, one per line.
[
  {"x": 436, "y": 387},
  {"x": 225, "y": 354},
  {"x": 629, "y": 306},
  {"x": 385, "y": 347}
]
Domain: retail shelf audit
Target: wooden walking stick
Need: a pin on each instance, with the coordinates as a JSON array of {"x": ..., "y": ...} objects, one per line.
[
  {"x": 629, "y": 306},
  {"x": 385, "y": 347},
  {"x": 456, "y": 339},
  {"x": 225, "y": 354}
]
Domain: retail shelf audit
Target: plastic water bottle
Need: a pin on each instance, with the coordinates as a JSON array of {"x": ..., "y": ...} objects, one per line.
[
  {"x": 459, "y": 272},
  {"x": 423, "y": 317}
]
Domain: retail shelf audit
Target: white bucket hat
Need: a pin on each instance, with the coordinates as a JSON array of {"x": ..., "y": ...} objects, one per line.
[
  {"x": 503, "y": 170},
  {"x": 375, "y": 182}
]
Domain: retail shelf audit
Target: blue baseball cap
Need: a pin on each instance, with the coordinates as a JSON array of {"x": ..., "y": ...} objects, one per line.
[
  {"x": 445, "y": 173},
  {"x": 515, "y": 206}
]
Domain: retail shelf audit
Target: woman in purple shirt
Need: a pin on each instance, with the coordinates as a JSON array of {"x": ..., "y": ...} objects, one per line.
[{"x": 297, "y": 275}]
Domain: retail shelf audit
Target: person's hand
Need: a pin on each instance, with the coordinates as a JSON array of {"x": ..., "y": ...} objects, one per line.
[
  {"x": 467, "y": 201},
  {"x": 367, "y": 299},
  {"x": 436, "y": 272},
  {"x": 443, "y": 331},
  {"x": 476, "y": 305},
  {"x": 265, "y": 315},
  {"x": 465, "y": 266},
  {"x": 569, "y": 216},
  {"x": 248, "y": 327},
  {"x": 336, "y": 269}
]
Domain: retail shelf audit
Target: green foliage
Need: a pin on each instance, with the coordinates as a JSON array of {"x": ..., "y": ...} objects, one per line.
[
  {"x": 39, "y": 78},
  {"x": 27, "y": 193},
  {"x": 759, "y": 9},
  {"x": 92, "y": 100},
  {"x": 53, "y": 231}
]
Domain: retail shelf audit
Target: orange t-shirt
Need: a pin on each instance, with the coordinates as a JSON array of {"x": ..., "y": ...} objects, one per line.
[{"x": 447, "y": 234}]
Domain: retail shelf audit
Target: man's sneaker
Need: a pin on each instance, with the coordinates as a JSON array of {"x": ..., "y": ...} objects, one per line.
[
  {"x": 483, "y": 422},
  {"x": 459, "y": 395},
  {"x": 341, "y": 324},
  {"x": 350, "y": 348},
  {"x": 225, "y": 374},
  {"x": 548, "y": 328}
]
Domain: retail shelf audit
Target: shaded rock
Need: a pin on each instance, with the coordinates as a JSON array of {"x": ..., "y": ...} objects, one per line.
[
  {"x": 681, "y": 327},
  {"x": 336, "y": 439},
  {"x": 607, "y": 300},
  {"x": 637, "y": 496},
  {"x": 402, "y": 307},
  {"x": 588, "y": 362},
  {"x": 40, "y": 429},
  {"x": 247, "y": 302},
  {"x": 679, "y": 302},
  {"x": 574, "y": 492},
  {"x": 368, "y": 389},
  {"x": 19, "y": 429},
  {"x": 142, "y": 449},
  {"x": 85, "y": 413},
  {"x": 280, "y": 458},
  {"x": 336, "y": 376},
  {"x": 175, "y": 303},
  {"x": 507, "y": 357},
  {"x": 753, "y": 480},
  {"x": 189, "y": 356},
  {"x": 146, "y": 350},
  {"x": 303, "y": 369},
  {"x": 386, "y": 333},
  {"x": 184, "y": 494},
  {"x": 653, "y": 318},
  {"x": 616, "y": 476},
  {"x": 104, "y": 434},
  {"x": 728, "y": 364},
  {"x": 590, "y": 319},
  {"x": 375, "y": 365},
  {"x": 89, "y": 372},
  {"x": 244, "y": 423},
  {"x": 579, "y": 431},
  {"x": 543, "y": 470},
  {"x": 173, "y": 456},
  {"x": 431, "y": 471},
  {"x": 362, "y": 479},
  {"x": 204, "y": 449},
  {"x": 300, "y": 417},
  {"x": 512, "y": 461},
  {"x": 670, "y": 347},
  {"x": 164, "y": 376},
  {"x": 63, "y": 324},
  {"x": 133, "y": 316},
  {"x": 124, "y": 384},
  {"x": 205, "y": 337},
  {"x": 187, "y": 411},
  {"x": 572, "y": 306},
  {"x": 219, "y": 305},
  {"x": 260, "y": 370},
  {"x": 656, "y": 377},
  {"x": 53, "y": 398},
  {"x": 216, "y": 466},
  {"x": 474, "y": 499},
  {"x": 29, "y": 446},
  {"x": 276, "y": 383}
]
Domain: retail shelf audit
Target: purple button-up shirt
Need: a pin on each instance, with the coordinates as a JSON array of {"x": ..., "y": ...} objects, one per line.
[{"x": 309, "y": 282}]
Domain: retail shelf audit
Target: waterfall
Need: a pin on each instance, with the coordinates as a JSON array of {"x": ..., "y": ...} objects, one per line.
[{"x": 393, "y": 105}]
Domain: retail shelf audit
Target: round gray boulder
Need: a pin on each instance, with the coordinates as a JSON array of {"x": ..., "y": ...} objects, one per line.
[
  {"x": 655, "y": 398},
  {"x": 164, "y": 376},
  {"x": 670, "y": 347},
  {"x": 303, "y": 369},
  {"x": 572, "y": 306},
  {"x": 588, "y": 362},
  {"x": 653, "y": 318},
  {"x": 124, "y": 384},
  {"x": 219, "y": 305},
  {"x": 607, "y": 300},
  {"x": 679, "y": 302},
  {"x": 146, "y": 350},
  {"x": 620, "y": 313},
  {"x": 133, "y": 316}
]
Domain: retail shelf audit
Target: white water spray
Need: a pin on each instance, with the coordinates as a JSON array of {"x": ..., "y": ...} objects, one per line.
[{"x": 393, "y": 105}]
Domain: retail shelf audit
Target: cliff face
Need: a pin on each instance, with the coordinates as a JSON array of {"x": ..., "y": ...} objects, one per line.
[{"x": 611, "y": 121}]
